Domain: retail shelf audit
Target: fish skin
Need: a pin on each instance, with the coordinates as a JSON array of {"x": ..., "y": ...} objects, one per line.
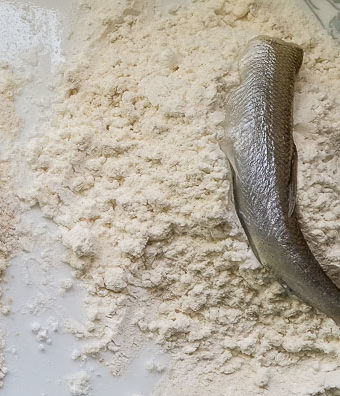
[{"x": 260, "y": 148}]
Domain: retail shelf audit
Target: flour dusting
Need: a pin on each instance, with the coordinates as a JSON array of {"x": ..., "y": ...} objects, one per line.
[
  {"x": 130, "y": 168},
  {"x": 9, "y": 126}
]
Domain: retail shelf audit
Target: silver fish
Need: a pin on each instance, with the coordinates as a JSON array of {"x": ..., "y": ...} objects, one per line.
[{"x": 263, "y": 159}]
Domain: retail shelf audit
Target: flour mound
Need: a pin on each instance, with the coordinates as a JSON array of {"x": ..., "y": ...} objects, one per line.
[{"x": 130, "y": 168}]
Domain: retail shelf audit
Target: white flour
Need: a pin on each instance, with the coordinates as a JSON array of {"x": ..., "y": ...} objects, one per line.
[
  {"x": 130, "y": 168},
  {"x": 9, "y": 125},
  {"x": 79, "y": 383}
]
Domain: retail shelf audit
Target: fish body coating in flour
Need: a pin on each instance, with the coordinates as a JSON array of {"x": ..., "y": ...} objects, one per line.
[{"x": 262, "y": 155}]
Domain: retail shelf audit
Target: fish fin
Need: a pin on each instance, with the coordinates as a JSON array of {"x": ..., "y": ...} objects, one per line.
[
  {"x": 231, "y": 196},
  {"x": 286, "y": 288},
  {"x": 227, "y": 148},
  {"x": 292, "y": 184},
  {"x": 240, "y": 215},
  {"x": 231, "y": 189},
  {"x": 251, "y": 243}
]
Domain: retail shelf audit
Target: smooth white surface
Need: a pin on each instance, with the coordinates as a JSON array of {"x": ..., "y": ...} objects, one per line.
[{"x": 26, "y": 27}]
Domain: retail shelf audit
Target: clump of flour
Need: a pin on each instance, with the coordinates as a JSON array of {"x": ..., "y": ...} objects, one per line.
[
  {"x": 79, "y": 383},
  {"x": 9, "y": 125},
  {"x": 130, "y": 168}
]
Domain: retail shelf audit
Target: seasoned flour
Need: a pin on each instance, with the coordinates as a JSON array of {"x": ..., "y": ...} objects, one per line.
[{"x": 129, "y": 167}]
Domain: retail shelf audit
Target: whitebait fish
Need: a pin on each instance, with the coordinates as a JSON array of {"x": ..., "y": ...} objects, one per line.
[{"x": 262, "y": 154}]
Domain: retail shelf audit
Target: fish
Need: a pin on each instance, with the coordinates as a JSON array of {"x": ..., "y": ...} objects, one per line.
[{"x": 260, "y": 148}]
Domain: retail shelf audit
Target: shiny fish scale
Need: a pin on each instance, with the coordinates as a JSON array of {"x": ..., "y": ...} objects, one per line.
[{"x": 260, "y": 149}]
